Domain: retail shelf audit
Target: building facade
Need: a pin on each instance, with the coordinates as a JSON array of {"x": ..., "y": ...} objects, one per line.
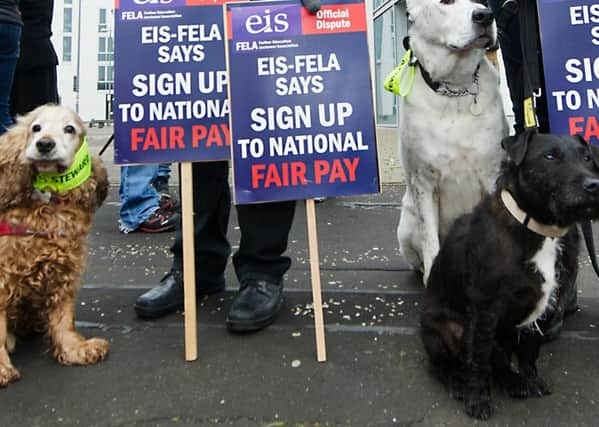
[{"x": 83, "y": 39}]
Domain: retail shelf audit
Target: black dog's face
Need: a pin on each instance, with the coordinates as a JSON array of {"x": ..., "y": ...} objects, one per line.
[{"x": 556, "y": 178}]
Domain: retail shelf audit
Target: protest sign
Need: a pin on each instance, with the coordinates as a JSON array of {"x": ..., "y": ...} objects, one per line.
[
  {"x": 570, "y": 42},
  {"x": 302, "y": 120},
  {"x": 171, "y": 102},
  {"x": 170, "y": 82}
]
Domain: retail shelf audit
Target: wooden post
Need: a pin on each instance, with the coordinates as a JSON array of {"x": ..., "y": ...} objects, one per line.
[
  {"x": 189, "y": 274},
  {"x": 321, "y": 350}
]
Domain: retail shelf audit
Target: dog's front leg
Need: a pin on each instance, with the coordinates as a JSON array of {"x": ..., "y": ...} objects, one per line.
[
  {"x": 70, "y": 348},
  {"x": 426, "y": 199},
  {"x": 8, "y": 373},
  {"x": 527, "y": 351},
  {"x": 480, "y": 342}
]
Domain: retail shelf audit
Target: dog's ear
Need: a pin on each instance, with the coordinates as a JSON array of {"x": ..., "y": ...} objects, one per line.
[
  {"x": 593, "y": 148},
  {"x": 517, "y": 146}
]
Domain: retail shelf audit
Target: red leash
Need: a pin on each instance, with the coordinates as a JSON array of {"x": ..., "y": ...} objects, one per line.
[{"x": 21, "y": 230}]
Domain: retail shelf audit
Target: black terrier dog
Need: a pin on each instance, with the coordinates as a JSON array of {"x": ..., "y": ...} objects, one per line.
[{"x": 507, "y": 268}]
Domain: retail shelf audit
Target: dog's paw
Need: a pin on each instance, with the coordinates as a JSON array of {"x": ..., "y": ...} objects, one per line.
[
  {"x": 479, "y": 408},
  {"x": 86, "y": 352},
  {"x": 526, "y": 386},
  {"x": 8, "y": 374}
]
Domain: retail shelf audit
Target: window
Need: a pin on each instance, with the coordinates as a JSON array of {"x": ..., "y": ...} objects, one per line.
[
  {"x": 67, "y": 30},
  {"x": 385, "y": 57},
  {"x": 390, "y": 27},
  {"x": 67, "y": 48},
  {"x": 102, "y": 26},
  {"x": 67, "y": 25},
  {"x": 105, "y": 77},
  {"x": 105, "y": 49}
]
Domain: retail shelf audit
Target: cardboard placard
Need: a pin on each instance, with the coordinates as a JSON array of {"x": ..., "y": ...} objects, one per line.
[
  {"x": 570, "y": 42},
  {"x": 302, "y": 116}
]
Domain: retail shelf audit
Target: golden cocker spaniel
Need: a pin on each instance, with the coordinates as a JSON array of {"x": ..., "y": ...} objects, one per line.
[{"x": 50, "y": 188}]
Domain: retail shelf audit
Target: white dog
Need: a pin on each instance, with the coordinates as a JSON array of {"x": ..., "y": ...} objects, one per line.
[{"x": 452, "y": 122}]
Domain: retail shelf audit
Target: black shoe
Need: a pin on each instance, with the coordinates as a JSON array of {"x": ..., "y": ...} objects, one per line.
[
  {"x": 255, "y": 306},
  {"x": 169, "y": 296},
  {"x": 160, "y": 221}
]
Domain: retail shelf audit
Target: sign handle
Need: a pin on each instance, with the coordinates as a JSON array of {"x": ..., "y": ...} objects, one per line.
[
  {"x": 321, "y": 350},
  {"x": 189, "y": 274}
]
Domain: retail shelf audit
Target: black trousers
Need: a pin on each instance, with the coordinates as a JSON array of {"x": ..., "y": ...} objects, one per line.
[
  {"x": 32, "y": 88},
  {"x": 264, "y": 231},
  {"x": 511, "y": 50}
]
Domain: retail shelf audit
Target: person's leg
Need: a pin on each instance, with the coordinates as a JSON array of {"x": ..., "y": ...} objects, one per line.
[
  {"x": 164, "y": 170},
  {"x": 139, "y": 200},
  {"x": 10, "y": 36},
  {"x": 511, "y": 51},
  {"x": 212, "y": 205},
  {"x": 26, "y": 95},
  {"x": 160, "y": 183},
  {"x": 260, "y": 264}
]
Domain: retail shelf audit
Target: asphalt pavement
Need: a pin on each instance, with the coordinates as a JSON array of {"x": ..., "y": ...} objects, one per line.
[{"x": 376, "y": 373}]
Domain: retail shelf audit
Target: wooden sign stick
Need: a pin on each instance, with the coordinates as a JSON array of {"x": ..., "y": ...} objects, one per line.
[
  {"x": 189, "y": 273},
  {"x": 321, "y": 349}
]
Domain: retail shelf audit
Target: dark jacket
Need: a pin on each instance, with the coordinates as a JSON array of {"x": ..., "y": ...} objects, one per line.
[
  {"x": 9, "y": 13},
  {"x": 36, "y": 47}
]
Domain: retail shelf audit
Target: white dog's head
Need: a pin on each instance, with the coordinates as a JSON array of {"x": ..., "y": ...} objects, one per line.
[
  {"x": 458, "y": 25},
  {"x": 55, "y": 133}
]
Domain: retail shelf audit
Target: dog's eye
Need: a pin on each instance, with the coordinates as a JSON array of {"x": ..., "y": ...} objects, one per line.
[
  {"x": 36, "y": 128},
  {"x": 69, "y": 129},
  {"x": 549, "y": 156},
  {"x": 587, "y": 158},
  {"x": 447, "y": 1}
]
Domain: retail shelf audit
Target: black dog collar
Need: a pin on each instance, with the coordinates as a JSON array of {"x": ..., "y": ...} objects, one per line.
[
  {"x": 523, "y": 218},
  {"x": 446, "y": 91}
]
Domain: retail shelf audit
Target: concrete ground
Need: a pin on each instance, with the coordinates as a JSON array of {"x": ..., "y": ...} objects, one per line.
[{"x": 376, "y": 373}]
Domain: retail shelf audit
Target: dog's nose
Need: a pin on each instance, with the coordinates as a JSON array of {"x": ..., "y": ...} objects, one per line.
[
  {"x": 591, "y": 185},
  {"x": 482, "y": 16},
  {"x": 44, "y": 146}
]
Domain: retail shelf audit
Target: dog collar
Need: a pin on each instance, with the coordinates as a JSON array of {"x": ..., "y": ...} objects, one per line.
[
  {"x": 443, "y": 89},
  {"x": 79, "y": 171},
  {"x": 21, "y": 230},
  {"x": 530, "y": 223}
]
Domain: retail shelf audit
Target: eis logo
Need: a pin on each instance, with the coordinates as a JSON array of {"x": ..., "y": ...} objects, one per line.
[
  {"x": 264, "y": 22},
  {"x": 267, "y": 23}
]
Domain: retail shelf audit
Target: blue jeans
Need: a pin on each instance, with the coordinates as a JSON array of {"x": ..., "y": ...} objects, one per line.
[
  {"x": 10, "y": 38},
  {"x": 139, "y": 199}
]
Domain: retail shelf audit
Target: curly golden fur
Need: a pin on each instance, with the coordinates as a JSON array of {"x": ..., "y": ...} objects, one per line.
[{"x": 40, "y": 275}]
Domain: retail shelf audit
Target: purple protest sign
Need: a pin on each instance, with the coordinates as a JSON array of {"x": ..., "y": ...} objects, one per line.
[
  {"x": 302, "y": 119},
  {"x": 170, "y": 82},
  {"x": 570, "y": 40}
]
